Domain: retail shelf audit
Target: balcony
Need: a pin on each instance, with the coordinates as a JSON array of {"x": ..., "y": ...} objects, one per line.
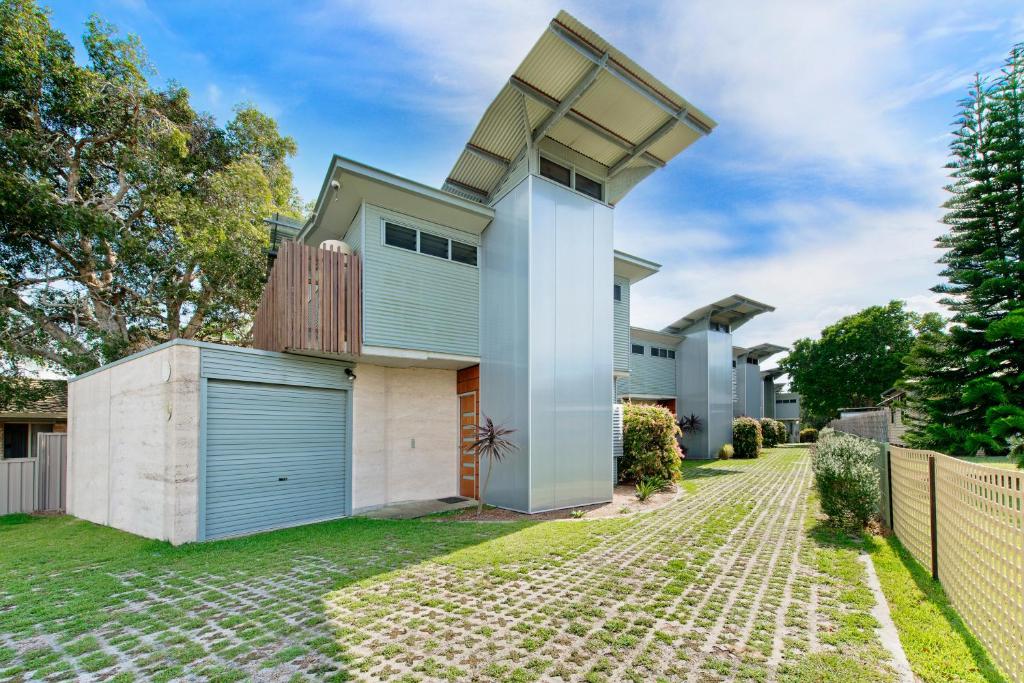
[{"x": 312, "y": 303}]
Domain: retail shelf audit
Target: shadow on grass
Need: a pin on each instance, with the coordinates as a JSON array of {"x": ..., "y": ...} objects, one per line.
[
  {"x": 70, "y": 578},
  {"x": 938, "y": 615}
]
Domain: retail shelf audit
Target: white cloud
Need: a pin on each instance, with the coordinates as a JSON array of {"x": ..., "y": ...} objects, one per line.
[{"x": 834, "y": 259}]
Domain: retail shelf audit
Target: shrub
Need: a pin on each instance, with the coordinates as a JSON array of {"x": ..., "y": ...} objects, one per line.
[
  {"x": 773, "y": 432},
  {"x": 649, "y": 447},
  {"x": 809, "y": 435},
  {"x": 746, "y": 437},
  {"x": 846, "y": 480},
  {"x": 646, "y": 488},
  {"x": 726, "y": 452},
  {"x": 783, "y": 432},
  {"x": 825, "y": 433}
]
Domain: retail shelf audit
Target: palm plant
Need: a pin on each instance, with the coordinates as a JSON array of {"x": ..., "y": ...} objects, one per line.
[
  {"x": 493, "y": 443},
  {"x": 691, "y": 424}
]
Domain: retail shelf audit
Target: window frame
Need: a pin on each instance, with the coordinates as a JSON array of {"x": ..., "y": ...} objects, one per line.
[
  {"x": 384, "y": 221},
  {"x": 603, "y": 184}
]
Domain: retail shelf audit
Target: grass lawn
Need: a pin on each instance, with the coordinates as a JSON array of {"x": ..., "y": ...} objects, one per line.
[
  {"x": 732, "y": 581},
  {"x": 938, "y": 644}
]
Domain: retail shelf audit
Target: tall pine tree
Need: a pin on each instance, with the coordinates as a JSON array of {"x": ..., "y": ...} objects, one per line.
[{"x": 967, "y": 384}]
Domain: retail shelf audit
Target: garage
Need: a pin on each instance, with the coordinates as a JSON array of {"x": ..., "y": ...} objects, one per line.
[
  {"x": 189, "y": 441},
  {"x": 275, "y": 456}
]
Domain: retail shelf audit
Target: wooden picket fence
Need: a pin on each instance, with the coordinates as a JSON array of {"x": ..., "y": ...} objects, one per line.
[
  {"x": 966, "y": 522},
  {"x": 311, "y": 303}
]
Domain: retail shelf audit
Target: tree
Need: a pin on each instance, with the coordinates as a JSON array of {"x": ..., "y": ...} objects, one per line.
[
  {"x": 127, "y": 218},
  {"x": 967, "y": 383},
  {"x": 854, "y": 361}
]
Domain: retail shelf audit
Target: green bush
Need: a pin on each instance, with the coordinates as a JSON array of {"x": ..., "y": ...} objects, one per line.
[
  {"x": 783, "y": 432},
  {"x": 746, "y": 437},
  {"x": 809, "y": 435},
  {"x": 726, "y": 452},
  {"x": 846, "y": 480},
  {"x": 825, "y": 433},
  {"x": 769, "y": 435},
  {"x": 649, "y": 447}
]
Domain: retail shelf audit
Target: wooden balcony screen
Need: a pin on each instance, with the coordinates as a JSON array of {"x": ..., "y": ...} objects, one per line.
[{"x": 312, "y": 302}]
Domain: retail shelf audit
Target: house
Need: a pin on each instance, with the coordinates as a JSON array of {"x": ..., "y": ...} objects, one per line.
[
  {"x": 748, "y": 397},
  {"x": 399, "y": 314},
  {"x": 49, "y": 413}
]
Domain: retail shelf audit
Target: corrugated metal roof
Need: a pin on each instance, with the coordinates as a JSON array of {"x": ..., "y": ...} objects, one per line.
[
  {"x": 733, "y": 310},
  {"x": 626, "y": 116}
]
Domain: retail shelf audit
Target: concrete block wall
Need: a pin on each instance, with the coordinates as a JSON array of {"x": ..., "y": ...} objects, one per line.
[
  {"x": 392, "y": 408},
  {"x": 133, "y": 448}
]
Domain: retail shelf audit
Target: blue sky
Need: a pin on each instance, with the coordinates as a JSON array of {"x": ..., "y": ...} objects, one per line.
[{"x": 820, "y": 191}]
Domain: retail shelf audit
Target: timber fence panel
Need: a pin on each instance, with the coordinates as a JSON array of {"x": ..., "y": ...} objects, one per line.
[
  {"x": 911, "y": 505},
  {"x": 980, "y": 515}
]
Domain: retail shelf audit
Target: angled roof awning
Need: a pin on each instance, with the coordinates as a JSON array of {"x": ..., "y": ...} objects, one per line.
[
  {"x": 634, "y": 268},
  {"x": 579, "y": 90},
  {"x": 733, "y": 311},
  {"x": 762, "y": 351}
]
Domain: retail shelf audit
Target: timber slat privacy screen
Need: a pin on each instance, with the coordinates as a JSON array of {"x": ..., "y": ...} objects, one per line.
[
  {"x": 312, "y": 302},
  {"x": 979, "y": 514}
]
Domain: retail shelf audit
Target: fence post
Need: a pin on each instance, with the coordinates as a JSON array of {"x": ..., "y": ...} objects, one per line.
[
  {"x": 934, "y": 517},
  {"x": 888, "y": 481}
]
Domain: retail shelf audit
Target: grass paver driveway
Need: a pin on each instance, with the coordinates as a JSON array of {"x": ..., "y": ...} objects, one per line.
[{"x": 732, "y": 581}]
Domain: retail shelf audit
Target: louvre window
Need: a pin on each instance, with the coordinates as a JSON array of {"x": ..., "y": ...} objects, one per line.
[
  {"x": 654, "y": 352},
  {"x": 463, "y": 253},
  {"x": 432, "y": 245},
  {"x": 618, "y": 292},
  {"x": 398, "y": 236},
  {"x": 638, "y": 349},
  {"x": 560, "y": 174},
  {"x": 671, "y": 353}
]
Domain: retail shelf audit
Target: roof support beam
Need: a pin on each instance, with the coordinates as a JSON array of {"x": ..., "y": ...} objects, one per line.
[
  {"x": 487, "y": 155},
  {"x": 571, "y": 99},
  {"x": 551, "y": 103},
  {"x": 614, "y": 68},
  {"x": 640, "y": 148},
  {"x": 480, "y": 195}
]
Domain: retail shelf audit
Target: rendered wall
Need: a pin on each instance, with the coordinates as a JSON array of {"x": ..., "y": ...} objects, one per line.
[
  {"x": 571, "y": 348},
  {"x": 504, "y": 341},
  {"x": 405, "y": 439},
  {"x": 133, "y": 445}
]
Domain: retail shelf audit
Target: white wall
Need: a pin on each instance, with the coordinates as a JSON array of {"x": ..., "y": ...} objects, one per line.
[
  {"x": 391, "y": 408},
  {"x": 133, "y": 445}
]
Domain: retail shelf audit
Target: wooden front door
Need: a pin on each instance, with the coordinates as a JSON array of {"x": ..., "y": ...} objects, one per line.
[{"x": 469, "y": 410}]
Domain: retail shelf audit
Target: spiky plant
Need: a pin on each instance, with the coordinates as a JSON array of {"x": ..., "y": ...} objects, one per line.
[
  {"x": 493, "y": 443},
  {"x": 691, "y": 424}
]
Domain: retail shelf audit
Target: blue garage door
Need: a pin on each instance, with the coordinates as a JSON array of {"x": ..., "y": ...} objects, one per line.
[{"x": 276, "y": 456}]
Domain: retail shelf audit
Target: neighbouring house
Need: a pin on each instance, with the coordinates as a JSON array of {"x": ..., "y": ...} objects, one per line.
[
  {"x": 399, "y": 314},
  {"x": 24, "y": 485},
  {"x": 748, "y": 396},
  {"x": 48, "y": 414},
  {"x": 787, "y": 411}
]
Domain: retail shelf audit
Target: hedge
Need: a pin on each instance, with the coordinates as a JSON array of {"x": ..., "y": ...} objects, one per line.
[
  {"x": 649, "y": 446},
  {"x": 809, "y": 435},
  {"x": 746, "y": 437}
]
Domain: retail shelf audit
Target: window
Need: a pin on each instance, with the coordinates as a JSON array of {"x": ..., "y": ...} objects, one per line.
[
  {"x": 429, "y": 244},
  {"x": 671, "y": 353},
  {"x": 658, "y": 352},
  {"x": 654, "y": 352},
  {"x": 463, "y": 253},
  {"x": 15, "y": 440},
  {"x": 638, "y": 349},
  {"x": 589, "y": 187},
  {"x": 617, "y": 292},
  {"x": 560, "y": 174},
  {"x": 432, "y": 245},
  {"x": 398, "y": 236}
]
